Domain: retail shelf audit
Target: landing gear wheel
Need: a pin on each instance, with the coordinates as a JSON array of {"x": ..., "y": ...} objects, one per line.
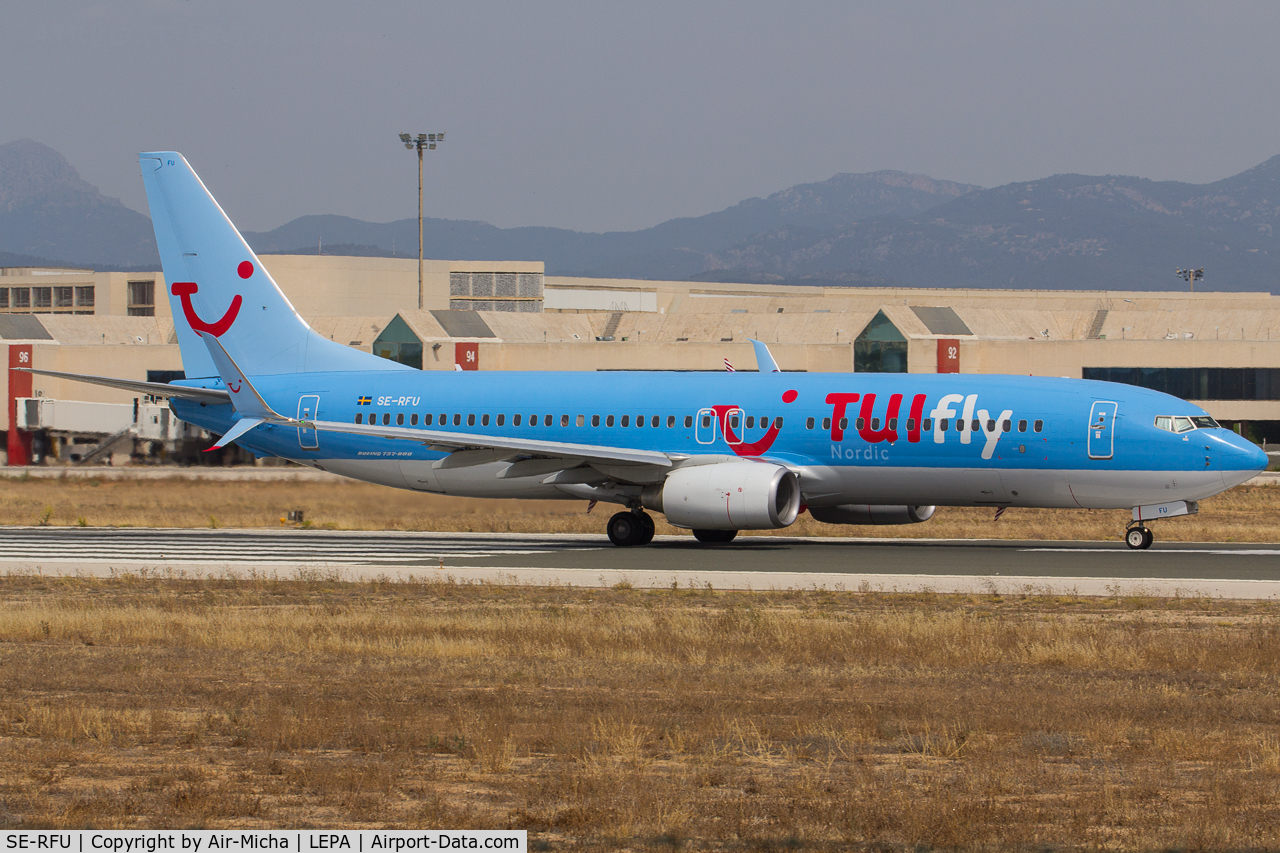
[
  {"x": 647, "y": 528},
  {"x": 1139, "y": 538},
  {"x": 626, "y": 529},
  {"x": 714, "y": 536}
]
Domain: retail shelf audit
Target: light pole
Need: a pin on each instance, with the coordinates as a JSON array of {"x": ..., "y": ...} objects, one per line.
[
  {"x": 422, "y": 142},
  {"x": 1190, "y": 276}
]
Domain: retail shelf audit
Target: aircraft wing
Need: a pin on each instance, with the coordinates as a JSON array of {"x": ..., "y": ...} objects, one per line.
[
  {"x": 155, "y": 389},
  {"x": 457, "y": 441}
]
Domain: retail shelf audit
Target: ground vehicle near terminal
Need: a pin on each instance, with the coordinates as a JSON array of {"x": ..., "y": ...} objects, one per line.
[{"x": 715, "y": 452}]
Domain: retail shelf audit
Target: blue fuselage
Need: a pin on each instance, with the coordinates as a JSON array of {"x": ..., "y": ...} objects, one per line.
[{"x": 953, "y": 439}]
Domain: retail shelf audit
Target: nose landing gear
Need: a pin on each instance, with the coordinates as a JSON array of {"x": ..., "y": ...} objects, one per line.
[{"x": 1138, "y": 537}]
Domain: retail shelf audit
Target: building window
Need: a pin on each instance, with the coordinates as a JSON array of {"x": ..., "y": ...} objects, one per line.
[
  {"x": 41, "y": 299},
  {"x": 142, "y": 299},
  {"x": 4, "y": 297},
  {"x": 20, "y": 297},
  {"x": 881, "y": 348},
  {"x": 64, "y": 297},
  {"x": 1197, "y": 383},
  {"x": 84, "y": 297}
]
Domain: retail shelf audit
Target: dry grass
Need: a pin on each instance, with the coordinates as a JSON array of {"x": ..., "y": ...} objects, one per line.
[
  {"x": 1244, "y": 514},
  {"x": 622, "y": 719}
]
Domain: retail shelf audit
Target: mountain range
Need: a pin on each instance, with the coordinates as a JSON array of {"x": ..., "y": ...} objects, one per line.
[{"x": 887, "y": 227}]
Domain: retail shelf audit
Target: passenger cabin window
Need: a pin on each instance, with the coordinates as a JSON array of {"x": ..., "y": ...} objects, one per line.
[
  {"x": 386, "y": 419},
  {"x": 608, "y": 421},
  {"x": 653, "y": 421},
  {"x": 546, "y": 420},
  {"x": 582, "y": 420},
  {"x": 808, "y": 424},
  {"x": 359, "y": 417},
  {"x": 1022, "y": 426},
  {"x": 484, "y": 420},
  {"x": 515, "y": 420},
  {"x": 626, "y": 420},
  {"x": 688, "y": 421},
  {"x": 1038, "y": 426},
  {"x": 927, "y": 425},
  {"x": 471, "y": 420},
  {"x": 400, "y": 419},
  {"x": 502, "y": 419},
  {"x": 671, "y": 421},
  {"x": 595, "y": 420},
  {"x": 564, "y": 420}
]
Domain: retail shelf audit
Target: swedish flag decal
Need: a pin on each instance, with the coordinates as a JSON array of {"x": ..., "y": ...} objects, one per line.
[{"x": 364, "y": 401}]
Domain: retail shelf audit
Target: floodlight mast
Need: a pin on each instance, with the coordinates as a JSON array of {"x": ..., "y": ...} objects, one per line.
[
  {"x": 422, "y": 142},
  {"x": 1190, "y": 276}
]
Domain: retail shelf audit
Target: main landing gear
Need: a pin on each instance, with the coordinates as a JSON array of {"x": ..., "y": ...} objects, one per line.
[
  {"x": 714, "y": 536},
  {"x": 1138, "y": 537},
  {"x": 631, "y": 528}
]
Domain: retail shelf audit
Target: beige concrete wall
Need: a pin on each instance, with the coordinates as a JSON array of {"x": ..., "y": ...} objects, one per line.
[
  {"x": 110, "y": 289},
  {"x": 332, "y": 285},
  {"x": 827, "y": 358},
  {"x": 122, "y": 361}
]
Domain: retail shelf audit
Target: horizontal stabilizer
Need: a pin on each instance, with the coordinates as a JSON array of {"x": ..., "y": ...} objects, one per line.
[
  {"x": 244, "y": 396},
  {"x": 238, "y": 429},
  {"x": 155, "y": 389}
]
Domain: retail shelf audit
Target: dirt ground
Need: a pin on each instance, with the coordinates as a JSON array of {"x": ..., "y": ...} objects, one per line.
[
  {"x": 1243, "y": 514},
  {"x": 619, "y": 719}
]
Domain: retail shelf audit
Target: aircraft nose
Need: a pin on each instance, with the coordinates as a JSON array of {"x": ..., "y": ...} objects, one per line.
[{"x": 1243, "y": 455}]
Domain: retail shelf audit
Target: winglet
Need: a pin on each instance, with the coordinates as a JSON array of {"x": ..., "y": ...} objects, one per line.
[
  {"x": 244, "y": 397},
  {"x": 764, "y": 358}
]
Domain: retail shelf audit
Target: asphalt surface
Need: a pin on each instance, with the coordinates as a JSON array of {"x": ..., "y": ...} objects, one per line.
[{"x": 1251, "y": 571}]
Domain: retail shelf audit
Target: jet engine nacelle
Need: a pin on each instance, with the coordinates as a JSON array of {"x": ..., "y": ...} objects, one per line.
[
  {"x": 727, "y": 496},
  {"x": 871, "y": 514}
]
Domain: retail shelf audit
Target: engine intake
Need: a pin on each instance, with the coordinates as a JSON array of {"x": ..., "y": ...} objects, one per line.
[
  {"x": 727, "y": 496},
  {"x": 871, "y": 514}
]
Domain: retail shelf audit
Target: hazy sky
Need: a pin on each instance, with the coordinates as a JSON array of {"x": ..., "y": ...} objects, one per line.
[{"x": 603, "y": 116}]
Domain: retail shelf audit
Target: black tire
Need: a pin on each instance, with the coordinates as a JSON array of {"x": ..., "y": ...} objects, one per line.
[
  {"x": 625, "y": 529},
  {"x": 1139, "y": 538},
  {"x": 647, "y": 528},
  {"x": 713, "y": 537}
]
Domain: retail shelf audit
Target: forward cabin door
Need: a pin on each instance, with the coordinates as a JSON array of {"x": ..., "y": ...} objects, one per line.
[
  {"x": 308, "y": 406},
  {"x": 1102, "y": 430}
]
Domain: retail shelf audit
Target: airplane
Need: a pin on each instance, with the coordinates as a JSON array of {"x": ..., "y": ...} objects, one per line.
[{"x": 715, "y": 452}]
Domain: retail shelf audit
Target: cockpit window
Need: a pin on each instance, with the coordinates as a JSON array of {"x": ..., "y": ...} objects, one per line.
[{"x": 1185, "y": 424}]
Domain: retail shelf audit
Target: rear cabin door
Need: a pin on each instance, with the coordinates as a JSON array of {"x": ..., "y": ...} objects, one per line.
[
  {"x": 1102, "y": 430},
  {"x": 308, "y": 406}
]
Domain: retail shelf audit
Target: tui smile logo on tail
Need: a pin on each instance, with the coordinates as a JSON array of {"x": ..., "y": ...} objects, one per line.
[{"x": 184, "y": 289}]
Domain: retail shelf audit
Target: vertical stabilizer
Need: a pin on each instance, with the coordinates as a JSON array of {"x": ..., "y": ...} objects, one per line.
[{"x": 218, "y": 287}]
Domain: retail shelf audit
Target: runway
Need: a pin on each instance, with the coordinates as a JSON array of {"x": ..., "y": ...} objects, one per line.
[{"x": 755, "y": 562}]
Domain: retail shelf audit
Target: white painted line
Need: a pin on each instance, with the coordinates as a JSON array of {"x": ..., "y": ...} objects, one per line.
[
  {"x": 599, "y": 578},
  {"x": 1245, "y": 552}
]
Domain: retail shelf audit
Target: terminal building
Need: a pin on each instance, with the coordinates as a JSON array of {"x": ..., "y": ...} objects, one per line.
[{"x": 1219, "y": 350}]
